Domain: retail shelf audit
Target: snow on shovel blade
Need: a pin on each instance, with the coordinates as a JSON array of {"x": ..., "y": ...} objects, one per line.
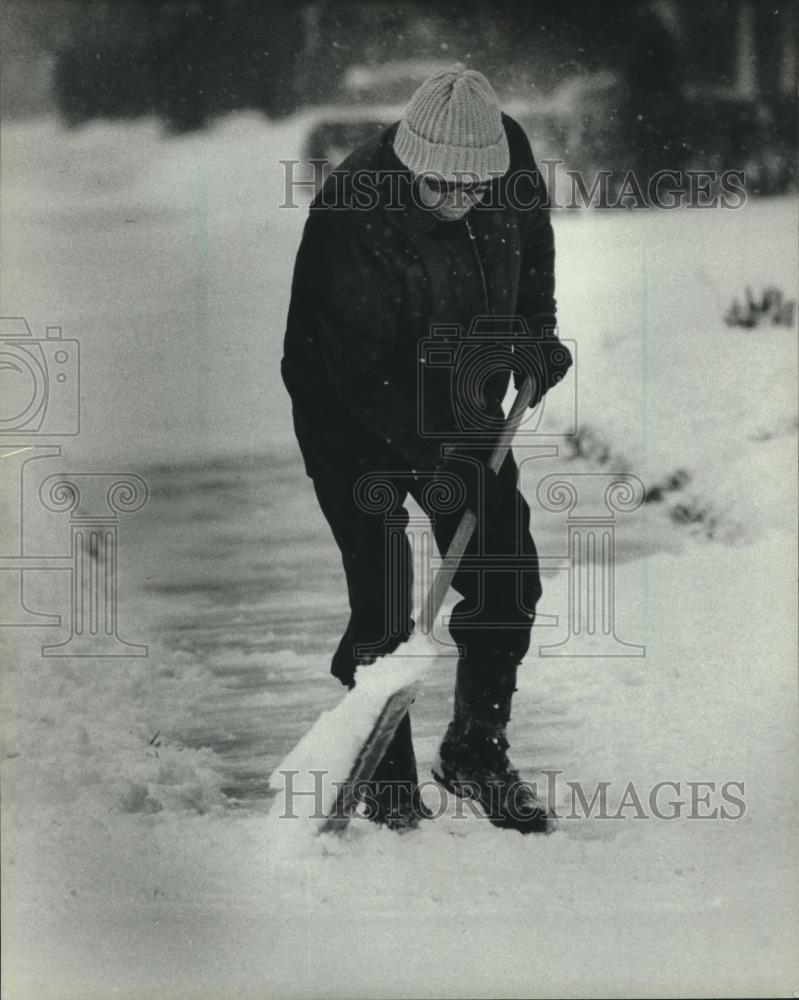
[{"x": 317, "y": 781}]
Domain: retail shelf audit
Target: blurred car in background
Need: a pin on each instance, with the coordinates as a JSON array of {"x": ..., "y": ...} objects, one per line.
[
  {"x": 372, "y": 98},
  {"x": 335, "y": 130},
  {"x": 390, "y": 82},
  {"x": 340, "y": 128}
]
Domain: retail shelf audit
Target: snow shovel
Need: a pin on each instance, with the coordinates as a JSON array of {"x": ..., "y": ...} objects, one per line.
[{"x": 346, "y": 744}]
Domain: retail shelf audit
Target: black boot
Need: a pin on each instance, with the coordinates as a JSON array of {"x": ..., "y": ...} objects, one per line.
[
  {"x": 392, "y": 797},
  {"x": 473, "y": 757}
]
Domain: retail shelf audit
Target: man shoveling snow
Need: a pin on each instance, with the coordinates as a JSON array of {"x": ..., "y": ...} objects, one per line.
[{"x": 439, "y": 221}]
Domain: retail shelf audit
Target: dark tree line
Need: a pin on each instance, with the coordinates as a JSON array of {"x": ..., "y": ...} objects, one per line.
[
  {"x": 714, "y": 82},
  {"x": 185, "y": 60}
]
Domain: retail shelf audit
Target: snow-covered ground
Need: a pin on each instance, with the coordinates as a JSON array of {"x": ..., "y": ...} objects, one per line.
[{"x": 138, "y": 857}]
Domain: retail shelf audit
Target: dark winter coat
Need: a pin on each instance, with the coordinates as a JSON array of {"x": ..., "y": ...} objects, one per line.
[{"x": 374, "y": 271}]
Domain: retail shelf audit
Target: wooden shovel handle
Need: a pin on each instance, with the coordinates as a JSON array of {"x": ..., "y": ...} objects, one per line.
[{"x": 443, "y": 578}]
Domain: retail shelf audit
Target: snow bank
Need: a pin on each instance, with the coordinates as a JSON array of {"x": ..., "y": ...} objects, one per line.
[
  {"x": 170, "y": 260},
  {"x": 97, "y": 736},
  {"x": 121, "y": 170},
  {"x": 663, "y": 385}
]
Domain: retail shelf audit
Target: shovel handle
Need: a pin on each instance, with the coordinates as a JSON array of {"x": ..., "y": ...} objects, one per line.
[{"x": 443, "y": 578}]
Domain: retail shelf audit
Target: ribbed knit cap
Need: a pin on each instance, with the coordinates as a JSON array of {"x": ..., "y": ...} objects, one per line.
[{"x": 453, "y": 126}]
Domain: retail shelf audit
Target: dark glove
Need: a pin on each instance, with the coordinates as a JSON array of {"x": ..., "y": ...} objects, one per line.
[{"x": 542, "y": 357}]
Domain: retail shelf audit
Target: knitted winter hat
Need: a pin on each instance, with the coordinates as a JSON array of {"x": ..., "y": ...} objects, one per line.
[{"x": 453, "y": 126}]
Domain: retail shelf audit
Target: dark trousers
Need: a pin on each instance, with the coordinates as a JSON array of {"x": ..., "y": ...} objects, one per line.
[{"x": 361, "y": 487}]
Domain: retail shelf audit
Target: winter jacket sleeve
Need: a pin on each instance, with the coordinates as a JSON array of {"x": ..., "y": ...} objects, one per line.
[
  {"x": 546, "y": 355},
  {"x": 352, "y": 314}
]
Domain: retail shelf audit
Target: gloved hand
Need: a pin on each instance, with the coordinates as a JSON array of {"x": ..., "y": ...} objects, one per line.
[{"x": 544, "y": 358}]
